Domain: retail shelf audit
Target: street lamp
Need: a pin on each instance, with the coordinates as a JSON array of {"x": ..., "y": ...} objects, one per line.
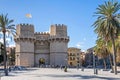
[
  {"x": 94, "y": 63},
  {"x": 7, "y": 59},
  {"x": 17, "y": 59},
  {"x": 82, "y": 57},
  {"x": 10, "y": 61},
  {"x": 80, "y": 60}
]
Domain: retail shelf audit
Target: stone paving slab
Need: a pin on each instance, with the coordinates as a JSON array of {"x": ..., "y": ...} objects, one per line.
[{"x": 58, "y": 74}]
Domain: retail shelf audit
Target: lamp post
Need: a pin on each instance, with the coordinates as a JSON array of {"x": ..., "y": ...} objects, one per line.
[
  {"x": 7, "y": 59},
  {"x": 17, "y": 59},
  {"x": 82, "y": 68},
  {"x": 10, "y": 61},
  {"x": 80, "y": 60},
  {"x": 94, "y": 63}
]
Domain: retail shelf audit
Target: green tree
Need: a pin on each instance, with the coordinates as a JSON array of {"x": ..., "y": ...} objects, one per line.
[
  {"x": 6, "y": 26},
  {"x": 1, "y": 52},
  {"x": 118, "y": 49},
  {"x": 107, "y": 24},
  {"x": 101, "y": 50}
]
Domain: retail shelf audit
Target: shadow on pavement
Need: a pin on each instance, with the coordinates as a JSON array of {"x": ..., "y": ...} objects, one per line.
[
  {"x": 17, "y": 72},
  {"x": 79, "y": 77}
]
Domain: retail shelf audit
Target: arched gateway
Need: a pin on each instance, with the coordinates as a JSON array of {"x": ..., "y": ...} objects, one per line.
[{"x": 41, "y": 61}]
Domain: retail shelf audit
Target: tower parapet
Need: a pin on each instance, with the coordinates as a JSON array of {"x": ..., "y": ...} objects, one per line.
[
  {"x": 58, "y": 30},
  {"x": 25, "y": 32},
  {"x": 41, "y": 33},
  {"x": 41, "y": 36},
  {"x": 56, "y": 38}
]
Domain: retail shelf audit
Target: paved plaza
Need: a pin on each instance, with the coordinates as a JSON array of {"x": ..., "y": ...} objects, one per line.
[{"x": 58, "y": 74}]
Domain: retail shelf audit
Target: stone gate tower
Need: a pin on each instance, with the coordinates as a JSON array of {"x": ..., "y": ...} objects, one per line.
[
  {"x": 25, "y": 45},
  {"x": 50, "y": 47},
  {"x": 58, "y": 44}
]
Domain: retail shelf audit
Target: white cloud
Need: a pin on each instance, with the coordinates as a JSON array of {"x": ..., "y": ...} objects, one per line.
[
  {"x": 7, "y": 40},
  {"x": 12, "y": 45},
  {"x": 1, "y": 40},
  {"x": 9, "y": 43},
  {"x": 80, "y": 44},
  {"x": 83, "y": 50}
]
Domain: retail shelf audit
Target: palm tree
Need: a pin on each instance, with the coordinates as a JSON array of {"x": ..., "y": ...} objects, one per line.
[
  {"x": 101, "y": 50},
  {"x": 6, "y": 26},
  {"x": 107, "y": 24},
  {"x": 118, "y": 49}
]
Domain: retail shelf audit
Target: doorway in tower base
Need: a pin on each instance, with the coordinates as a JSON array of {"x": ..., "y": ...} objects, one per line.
[{"x": 41, "y": 62}]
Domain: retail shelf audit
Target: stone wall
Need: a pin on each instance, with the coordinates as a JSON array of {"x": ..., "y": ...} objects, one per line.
[{"x": 30, "y": 46}]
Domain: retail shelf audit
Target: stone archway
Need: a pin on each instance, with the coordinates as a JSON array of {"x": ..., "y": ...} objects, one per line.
[{"x": 41, "y": 61}]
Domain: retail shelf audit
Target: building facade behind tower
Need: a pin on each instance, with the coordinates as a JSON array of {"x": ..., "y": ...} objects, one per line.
[{"x": 32, "y": 46}]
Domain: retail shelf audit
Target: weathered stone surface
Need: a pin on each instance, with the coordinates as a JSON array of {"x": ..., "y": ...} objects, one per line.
[{"x": 51, "y": 46}]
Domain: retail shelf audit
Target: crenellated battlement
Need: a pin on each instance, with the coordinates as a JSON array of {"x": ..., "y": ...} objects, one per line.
[
  {"x": 58, "y": 29},
  {"x": 59, "y": 26},
  {"x": 25, "y": 30},
  {"x": 41, "y": 33},
  {"x": 25, "y": 24}
]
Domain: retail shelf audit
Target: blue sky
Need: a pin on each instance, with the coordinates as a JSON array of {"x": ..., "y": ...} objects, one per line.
[{"x": 76, "y": 14}]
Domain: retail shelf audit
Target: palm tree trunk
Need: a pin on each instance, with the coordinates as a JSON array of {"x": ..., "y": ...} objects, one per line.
[
  {"x": 104, "y": 63},
  {"x": 5, "y": 56},
  {"x": 114, "y": 55},
  {"x": 111, "y": 64}
]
